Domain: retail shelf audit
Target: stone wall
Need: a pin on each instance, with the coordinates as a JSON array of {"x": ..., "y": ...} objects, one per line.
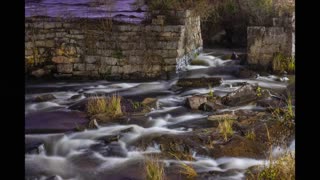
[
  {"x": 265, "y": 43},
  {"x": 101, "y": 49}
]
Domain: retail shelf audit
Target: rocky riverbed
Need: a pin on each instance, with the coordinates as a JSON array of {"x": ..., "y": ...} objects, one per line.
[{"x": 180, "y": 122}]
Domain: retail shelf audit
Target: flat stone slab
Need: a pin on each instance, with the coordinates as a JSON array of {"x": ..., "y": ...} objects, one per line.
[
  {"x": 199, "y": 82},
  {"x": 54, "y": 121}
]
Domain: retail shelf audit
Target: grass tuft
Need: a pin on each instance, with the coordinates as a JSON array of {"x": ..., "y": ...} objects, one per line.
[
  {"x": 225, "y": 128},
  {"x": 188, "y": 171},
  {"x": 281, "y": 168},
  {"x": 251, "y": 135},
  {"x": 98, "y": 105},
  {"x": 154, "y": 169}
]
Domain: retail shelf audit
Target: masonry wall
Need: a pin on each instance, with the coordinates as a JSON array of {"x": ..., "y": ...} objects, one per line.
[
  {"x": 77, "y": 48},
  {"x": 264, "y": 43}
]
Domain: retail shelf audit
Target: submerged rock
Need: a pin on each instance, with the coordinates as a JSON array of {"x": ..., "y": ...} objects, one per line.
[
  {"x": 74, "y": 97},
  {"x": 207, "y": 106},
  {"x": 234, "y": 56},
  {"x": 243, "y": 95},
  {"x": 34, "y": 146},
  {"x": 109, "y": 138},
  {"x": 44, "y": 97},
  {"x": 194, "y": 102},
  {"x": 199, "y": 82},
  {"x": 114, "y": 149}
]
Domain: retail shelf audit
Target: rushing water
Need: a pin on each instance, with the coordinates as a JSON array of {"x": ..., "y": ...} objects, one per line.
[{"x": 82, "y": 156}]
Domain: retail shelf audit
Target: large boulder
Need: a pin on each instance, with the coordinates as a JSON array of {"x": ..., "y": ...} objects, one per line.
[
  {"x": 54, "y": 122},
  {"x": 199, "y": 82},
  {"x": 195, "y": 102},
  {"x": 243, "y": 95}
]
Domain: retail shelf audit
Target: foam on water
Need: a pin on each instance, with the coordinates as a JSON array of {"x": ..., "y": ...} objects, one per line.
[{"x": 42, "y": 106}]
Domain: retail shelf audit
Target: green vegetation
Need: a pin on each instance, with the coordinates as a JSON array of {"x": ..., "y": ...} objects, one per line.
[
  {"x": 114, "y": 106},
  {"x": 251, "y": 135},
  {"x": 96, "y": 105},
  {"x": 188, "y": 171},
  {"x": 225, "y": 128},
  {"x": 198, "y": 62},
  {"x": 258, "y": 91},
  {"x": 234, "y": 16},
  {"x": 136, "y": 105},
  {"x": 282, "y": 63},
  {"x": 111, "y": 106},
  {"x": 284, "y": 114},
  {"x": 154, "y": 169},
  {"x": 281, "y": 168},
  {"x": 210, "y": 91}
]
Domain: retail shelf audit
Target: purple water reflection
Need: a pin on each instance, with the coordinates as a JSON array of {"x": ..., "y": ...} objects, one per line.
[{"x": 119, "y": 9}]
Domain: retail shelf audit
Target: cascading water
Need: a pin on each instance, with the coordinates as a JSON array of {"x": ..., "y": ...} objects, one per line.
[{"x": 86, "y": 155}]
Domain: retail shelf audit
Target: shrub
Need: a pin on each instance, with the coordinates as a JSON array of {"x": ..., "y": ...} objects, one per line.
[
  {"x": 282, "y": 63},
  {"x": 281, "y": 168},
  {"x": 154, "y": 169},
  {"x": 98, "y": 105},
  {"x": 225, "y": 128},
  {"x": 114, "y": 106}
]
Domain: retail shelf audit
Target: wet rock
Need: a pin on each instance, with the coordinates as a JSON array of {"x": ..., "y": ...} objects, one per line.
[
  {"x": 220, "y": 117},
  {"x": 54, "y": 122},
  {"x": 34, "y": 146},
  {"x": 199, "y": 82},
  {"x": 149, "y": 103},
  {"x": 175, "y": 88},
  {"x": 194, "y": 102},
  {"x": 39, "y": 73},
  {"x": 102, "y": 117},
  {"x": 74, "y": 97},
  {"x": 234, "y": 56},
  {"x": 246, "y": 73},
  {"x": 243, "y": 95},
  {"x": 207, "y": 106},
  {"x": 44, "y": 97},
  {"x": 271, "y": 102},
  {"x": 110, "y": 138},
  {"x": 239, "y": 147},
  {"x": 114, "y": 149},
  {"x": 86, "y": 160}
]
